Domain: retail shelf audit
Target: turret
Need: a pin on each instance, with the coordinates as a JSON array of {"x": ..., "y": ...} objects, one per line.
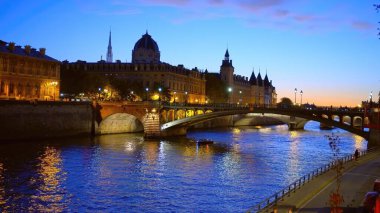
[
  {"x": 259, "y": 80},
  {"x": 227, "y": 70},
  {"x": 253, "y": 80}
]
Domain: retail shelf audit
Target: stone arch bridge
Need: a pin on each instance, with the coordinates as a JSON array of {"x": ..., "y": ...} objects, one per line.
[{"x": 160, "y": 120}]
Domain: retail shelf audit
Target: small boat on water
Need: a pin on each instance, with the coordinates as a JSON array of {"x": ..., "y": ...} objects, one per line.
[{"x": 204, "y": 141}]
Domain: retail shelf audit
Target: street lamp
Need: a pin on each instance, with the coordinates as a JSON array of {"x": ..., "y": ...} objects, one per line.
[
  {"x": 174, "y": 96},
  {"x": 301, "y": 93},
  {"x": 240, "y": 99},
  {"x": 147, "y": 90},
  {"x": 186, "y": 97},
  {"x": 229, "y": 94},
  {"x": 99, "y": 91},
  {"x": 159, "y": 93},
  {"x": 295, "y": 96}
]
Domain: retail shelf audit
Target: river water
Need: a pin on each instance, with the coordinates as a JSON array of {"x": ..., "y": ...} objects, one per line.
[{"x": 124, "y": 173}]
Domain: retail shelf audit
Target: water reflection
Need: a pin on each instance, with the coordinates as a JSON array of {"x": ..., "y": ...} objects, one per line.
[
  {"x": 118, "y": 172},
  {"x": 49, "y": 193},
  {"x": 2, "y": 191}
]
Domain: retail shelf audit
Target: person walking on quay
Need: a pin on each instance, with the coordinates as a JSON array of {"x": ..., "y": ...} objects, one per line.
[{"x": 356, "y": 155}]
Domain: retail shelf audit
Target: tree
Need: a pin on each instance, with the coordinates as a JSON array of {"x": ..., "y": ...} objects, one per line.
[
  {"x": 216, "y": 89},
  {"x": 80, "y": 81},
  {"x": 336, "y": 198},
  {"x": 165, "y": 92},
  {"x": 285, "y": 103},
  {"x": 127, "y": 90}
]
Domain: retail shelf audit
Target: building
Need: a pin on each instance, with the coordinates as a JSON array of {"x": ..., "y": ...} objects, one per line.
[
  {"x": 241, "y": 90},
  {"x": 146, "y": 68},
  {"x": 27, "y": 74}
]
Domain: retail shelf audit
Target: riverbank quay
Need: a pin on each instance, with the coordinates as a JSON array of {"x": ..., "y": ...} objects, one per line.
[{"x": 313, "y": 196}]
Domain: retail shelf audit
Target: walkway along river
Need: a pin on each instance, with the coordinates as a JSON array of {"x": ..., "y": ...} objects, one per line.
[{"x": 124, "y": 172}]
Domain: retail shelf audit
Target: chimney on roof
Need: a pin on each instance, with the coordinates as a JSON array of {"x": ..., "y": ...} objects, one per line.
[
  {"x": 27, "y": 49},
  {"x": 42, "y": 51},
  {"x": 11, "y": 46}
]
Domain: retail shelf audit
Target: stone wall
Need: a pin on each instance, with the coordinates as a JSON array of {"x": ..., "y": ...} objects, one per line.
[{"x": 25, "y": 120}]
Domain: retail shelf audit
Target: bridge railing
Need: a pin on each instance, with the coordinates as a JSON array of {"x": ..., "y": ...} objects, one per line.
[
  {"x": 217, "y": 105},
  {"x": 271, "y": 201}
]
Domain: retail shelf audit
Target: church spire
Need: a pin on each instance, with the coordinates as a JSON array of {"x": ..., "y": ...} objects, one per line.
[
  {"x": 109, "y": 50},
  {"x": 227, "y": 55}
]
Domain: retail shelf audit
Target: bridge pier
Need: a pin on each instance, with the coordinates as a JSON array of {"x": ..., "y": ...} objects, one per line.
[
  {"x": 152, "y": 125},
  {"x": 296, "y": 123}
]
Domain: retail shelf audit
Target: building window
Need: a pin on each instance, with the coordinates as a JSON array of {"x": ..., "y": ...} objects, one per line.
[
  {"x": 11, "y": 88},
  {"x": 27, "y": 92},
  {"x": 37, "y": 90},
  {"x": 2, "y": 87},
  {"x": 19, "y": 89}
]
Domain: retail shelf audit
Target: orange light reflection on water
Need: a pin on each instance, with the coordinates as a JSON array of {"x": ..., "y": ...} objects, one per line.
[
  {"x": 49, "y": 196},
  {"x": 2, "y": 191}
]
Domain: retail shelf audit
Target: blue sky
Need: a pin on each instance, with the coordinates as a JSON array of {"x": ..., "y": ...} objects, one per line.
[{"x": 328, "y": 49}]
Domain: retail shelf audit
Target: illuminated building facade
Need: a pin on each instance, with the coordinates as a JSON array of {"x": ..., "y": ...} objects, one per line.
[
  {"x": 241, "y": 90},
  {"x": 146, "y": 68},
  {"x": 27, "y": 74}
]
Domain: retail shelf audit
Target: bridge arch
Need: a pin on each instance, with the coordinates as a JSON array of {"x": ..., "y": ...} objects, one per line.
[
  {"x": 357, "y": 121},
  {"x": 120, "y": 123},
  {"x": 182, "y": 124},
  {"x": 180, "y": 114},
  {"x": 346, "y": 120}
]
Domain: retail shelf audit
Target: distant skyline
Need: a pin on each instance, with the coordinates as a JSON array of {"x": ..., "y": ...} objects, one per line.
[{"x": 330, "y": 50}]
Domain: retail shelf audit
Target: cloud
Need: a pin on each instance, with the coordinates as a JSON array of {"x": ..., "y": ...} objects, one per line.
[
  {"x": 257, "y": 5},
  {"x": 281, "y": 13},
  {"x": 277, "y": 14},
  {"x": 362, "y": 25},
  {"x": 216, "y": 2},
  {"x": 166, "y": 2}
]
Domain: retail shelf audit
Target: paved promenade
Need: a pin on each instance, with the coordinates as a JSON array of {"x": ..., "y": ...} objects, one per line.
[{"x": 357, "y": 180}]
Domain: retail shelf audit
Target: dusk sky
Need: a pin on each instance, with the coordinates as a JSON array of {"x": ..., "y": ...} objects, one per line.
[{"x": 328, "y": 49}]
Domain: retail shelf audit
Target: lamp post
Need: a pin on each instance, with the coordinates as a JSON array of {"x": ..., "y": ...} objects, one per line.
[
  {"x": 99, "y": 91},
  {"x": 159, "y": 93},
  {"x": 229, "y": 94},
  {"x": 295, "y": 96},
  {"x": 174, "y": 96},
  {"x": 147, "y": 90},
  {"x": 186, "y": 97},
  {"x": 240, "y": 99},
  {"x": 301, "y": 93}
]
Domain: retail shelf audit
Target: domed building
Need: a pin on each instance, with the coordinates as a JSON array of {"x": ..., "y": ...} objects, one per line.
[
  {"x": 146, "y": 50},
  {"x": 148, "y": 71}
]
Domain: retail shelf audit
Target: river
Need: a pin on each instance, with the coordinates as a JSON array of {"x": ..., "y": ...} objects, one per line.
[{"x": 125, "y": 173}]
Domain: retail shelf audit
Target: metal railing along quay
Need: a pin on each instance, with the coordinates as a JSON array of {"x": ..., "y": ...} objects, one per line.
[{"x": 271, "y": 201}]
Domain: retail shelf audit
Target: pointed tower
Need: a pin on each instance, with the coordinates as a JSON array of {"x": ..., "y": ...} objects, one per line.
[
  {"x": 109, "y": 51},
  {"x": 266, "y": 80},
  {"x": 259, "y": 79},
  {"x": 227, "y": 70},
  {"x": 253, "y": 80}
]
